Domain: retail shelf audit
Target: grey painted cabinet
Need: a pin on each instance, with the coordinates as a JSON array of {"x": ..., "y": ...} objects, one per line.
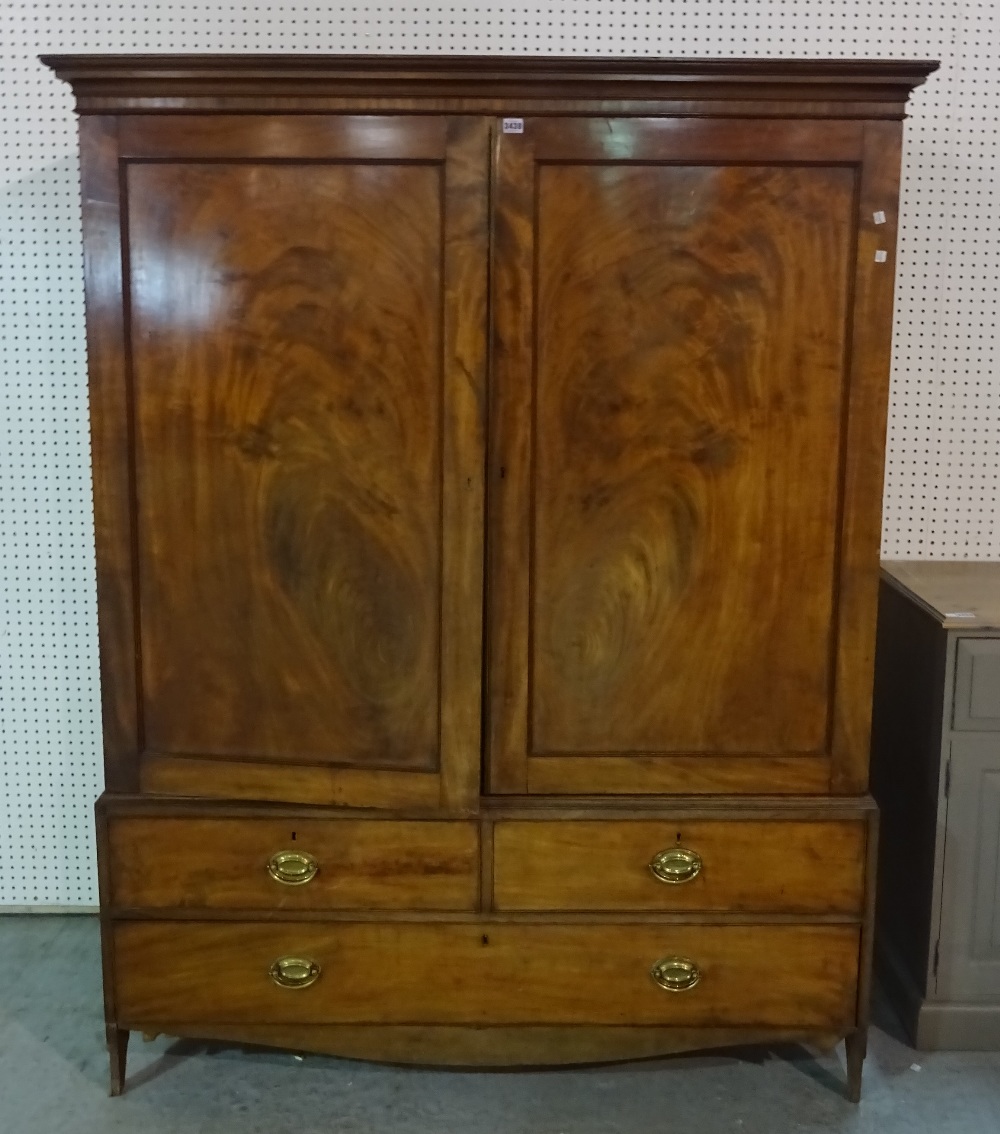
[
  {"x": 936, "y": 776},
  {"x": 969, "y": 953}
]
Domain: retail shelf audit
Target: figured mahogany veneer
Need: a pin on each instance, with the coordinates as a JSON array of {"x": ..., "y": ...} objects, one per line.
[
  {"x": 773, "y": 867},
  {"x": 826, "y": 88},
  {"x": 487, "y": 472},
  {"x": 481, "y": 973},
  {"x": 290, "y": 485},
  {"x": 221, "y": 863},
  {"x": 690, "y": 300}
]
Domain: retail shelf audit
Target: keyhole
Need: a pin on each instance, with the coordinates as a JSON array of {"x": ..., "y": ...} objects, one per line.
[
  {"x": 293, "y": 836},
  {"x": 486, "y": 940}
]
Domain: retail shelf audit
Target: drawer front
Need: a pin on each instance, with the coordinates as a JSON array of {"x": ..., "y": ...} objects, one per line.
[
  {"x": 703, "y": 865},
  {"x": 293, "y": 864},
  {"x": 977, "y": 685},
  {"x": 484, "y": 973}
]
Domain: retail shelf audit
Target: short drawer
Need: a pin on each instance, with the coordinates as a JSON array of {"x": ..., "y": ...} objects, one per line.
[
  {"x": 316, "y": 864},
  {"x": 485, "y": 973},
  {"x": 700, "y": 865}
]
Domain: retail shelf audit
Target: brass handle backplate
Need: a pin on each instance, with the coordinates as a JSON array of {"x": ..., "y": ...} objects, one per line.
[
  {"x": 676, "y": 865},
  {"x": 292, "y": 868},
  {"x": 676, "y": 974},
  {"x": 294, "y": 972}
]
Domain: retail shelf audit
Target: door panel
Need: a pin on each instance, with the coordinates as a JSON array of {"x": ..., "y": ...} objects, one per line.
[
  {"x": 690, "y": 346},
  {"x": 286, "y": 360},
  {"x": 306, "y": 344},
  {"x": 977, "y": 685},
  {"x": 969, "y": 947},
  {"x": 673, "y": 323}
]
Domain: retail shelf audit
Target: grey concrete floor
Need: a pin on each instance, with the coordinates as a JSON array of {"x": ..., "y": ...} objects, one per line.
[{"x": 53, "y": 1077}]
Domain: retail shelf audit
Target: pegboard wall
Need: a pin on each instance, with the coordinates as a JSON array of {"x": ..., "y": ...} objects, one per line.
[{"x": 944, "y": 432}]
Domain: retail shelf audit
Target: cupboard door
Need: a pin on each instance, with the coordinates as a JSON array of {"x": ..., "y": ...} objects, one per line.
[
  {"x": 688, "y": 408},
  {"x": 301, "y": 458},
  {"x": 968, "y": 948}
]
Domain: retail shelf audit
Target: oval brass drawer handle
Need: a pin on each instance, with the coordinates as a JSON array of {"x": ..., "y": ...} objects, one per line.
[
  {"x": 676, "y": 865},
  {"x": 292, "y": 868},
  {"x": 294, "y": 972},
  {"x": 676, "y": 974}
]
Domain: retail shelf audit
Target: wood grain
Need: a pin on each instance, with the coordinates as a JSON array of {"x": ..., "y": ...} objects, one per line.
[
  {"x": 864, "y": 453},
  {"x": 110, "y": 443},
  {"x": 803, "y": 808},
  {"x": 443, "y": 917},
  {"x": 292, "y": 783},
  {"x": 509, "y": 456},
  {"x": 673, "y": 472},
  {"x": 464, "y": 333},
  {"x": 666, "y": 775},
  {"x": 362, "y": 864},
  {"x": 485, "y": 84},
  {"x": 746, "y": 866},
  {"x": 306, "y": 99},
  {"x": 782, "y": 976},
  {"x": 690, "y": 346},
  {"x": 768, "y": 142},
  {"x": 239, "y": 137},
  {"x": 116, "y": 1039},
  {"x": 308, "y": 301},
  {"x": 286, "y": 353},
  {"x": 856, "y": 1043},
  {"x": 669, "y": 807},
  {"x": 517, "y": 1046}
]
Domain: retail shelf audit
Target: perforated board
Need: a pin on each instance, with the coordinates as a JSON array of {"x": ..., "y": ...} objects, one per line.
[{"x": 944, "y": 432}]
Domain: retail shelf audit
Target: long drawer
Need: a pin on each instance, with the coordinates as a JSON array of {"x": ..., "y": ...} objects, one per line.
[
  {"x": 753, "y": 866},
  {"x": 485, "y": 972},
  {"x": 293, "y": 864}
]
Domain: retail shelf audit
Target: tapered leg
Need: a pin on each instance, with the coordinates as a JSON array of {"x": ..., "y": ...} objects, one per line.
[
  {"x": 117, "y": 1052},
  {"x": 857, "y": 1045}
]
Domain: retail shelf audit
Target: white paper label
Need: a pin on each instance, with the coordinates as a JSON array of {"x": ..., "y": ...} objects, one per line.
[
  {"x": 881, "y": 256},
  {"x": 879, "y": 217},
  {"x": 960, "y": 614},
  {"x": 513, "y": 125}
]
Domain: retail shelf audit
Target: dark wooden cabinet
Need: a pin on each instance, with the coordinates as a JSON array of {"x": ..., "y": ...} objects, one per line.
[
  {"x": 936, "y": 776},
  {"x": 487, "y": 461}
]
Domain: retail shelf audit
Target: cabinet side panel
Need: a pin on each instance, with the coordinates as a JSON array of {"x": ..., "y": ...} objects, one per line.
[
  {"x": 110, "y": 430},
  {"x": 866, "y": 411},
  {"x": 906, "y": 757}
]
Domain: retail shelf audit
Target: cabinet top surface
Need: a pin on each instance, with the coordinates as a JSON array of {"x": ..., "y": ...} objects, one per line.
[
  {"x": 960, "y": 595},
  {"x": 415, "y": 63},
  {"x": 484, "y": 77}
]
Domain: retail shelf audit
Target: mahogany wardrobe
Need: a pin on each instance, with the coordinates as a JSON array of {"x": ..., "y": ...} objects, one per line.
[{"x": 488, "y": 468}]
